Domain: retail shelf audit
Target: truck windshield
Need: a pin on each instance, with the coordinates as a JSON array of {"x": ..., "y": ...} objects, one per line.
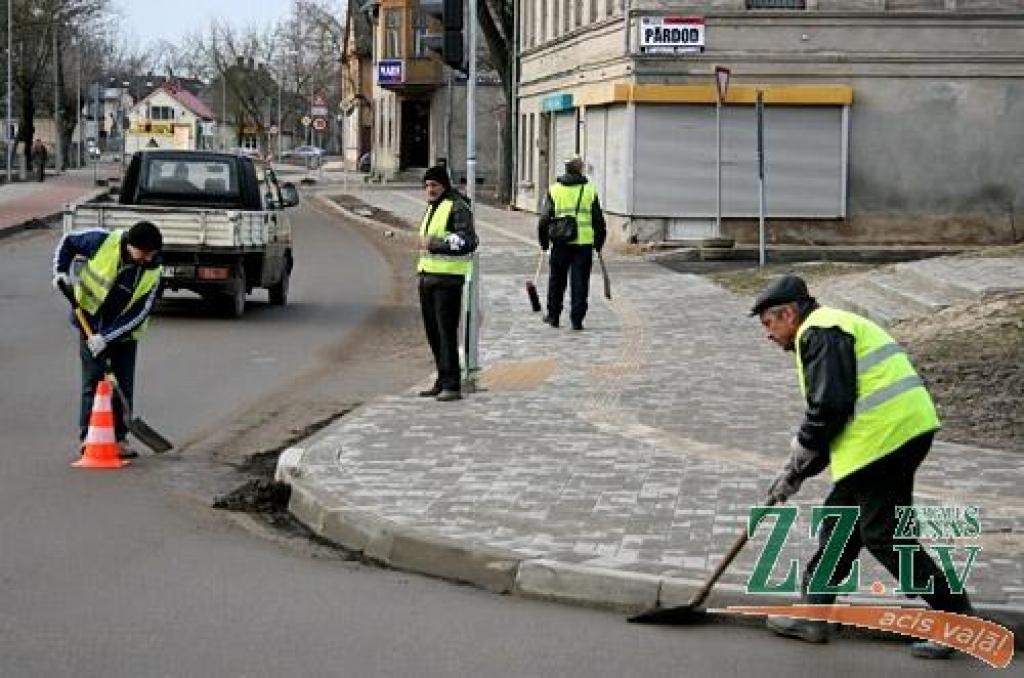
[{"x": 192, "y": 177}]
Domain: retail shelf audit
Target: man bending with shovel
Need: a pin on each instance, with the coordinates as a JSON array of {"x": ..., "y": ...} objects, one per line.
[
  {"x": 116, "y": 289},
  {"x": 870, "y": 418}
]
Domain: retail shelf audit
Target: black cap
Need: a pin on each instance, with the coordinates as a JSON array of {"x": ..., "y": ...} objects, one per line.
[
  {"x": 145, "y": 236},
  {"x": 786, "y": 289},
  {"x": 438, "y": 173}
]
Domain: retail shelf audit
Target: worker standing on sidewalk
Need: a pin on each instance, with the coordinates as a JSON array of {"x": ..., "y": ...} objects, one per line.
[
  {"x": 871, "y": 419},
  {"x": 116, "y": 288},
  {"x": 573, "y": 197},
  {"x": 447, "y": 241}
]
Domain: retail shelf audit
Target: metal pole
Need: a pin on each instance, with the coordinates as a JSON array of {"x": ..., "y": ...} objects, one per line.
[
  {"x": 10, "y": 94},
  {"x": 96, "y": 114},
  {"x": 718, "y": 168},
  {"x": 760, "y": 175},
  {"x": 223, "y": 107},
  {"x": 280, "y": 126},
  {"x": 473, "y": 297},
  {"x": 78, "y": 106},
  {"x": 58, "y": 157}
]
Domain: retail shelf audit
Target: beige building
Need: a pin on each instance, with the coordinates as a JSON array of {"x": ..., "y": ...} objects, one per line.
[
  {"x": 886, "y": 121},
  {"x": 169, "y": 117}
]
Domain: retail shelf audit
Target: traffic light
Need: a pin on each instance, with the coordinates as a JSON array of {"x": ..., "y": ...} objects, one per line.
[{"x": 449, "y": 43}]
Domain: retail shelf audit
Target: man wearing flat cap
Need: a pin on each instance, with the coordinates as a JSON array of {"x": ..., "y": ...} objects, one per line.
[
  {"x": 871, "y": 420},
  {"x": 447, "y": 242}
]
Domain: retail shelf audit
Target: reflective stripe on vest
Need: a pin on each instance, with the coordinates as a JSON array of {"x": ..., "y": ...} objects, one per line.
[
  {"x": 450, "y": 264},
  {"x": 564, "y": 198},
  {"x": 97, "y": 278},
  {"x": 892, "y": 407}
]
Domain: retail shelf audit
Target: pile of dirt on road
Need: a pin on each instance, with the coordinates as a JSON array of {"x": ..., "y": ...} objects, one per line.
[
  {"x": 363, "y": 209},
  {"x": 972, "y": 356}
]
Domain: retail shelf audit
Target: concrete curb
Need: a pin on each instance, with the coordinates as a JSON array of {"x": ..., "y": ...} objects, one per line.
[
  {"x": 7, "y": 231},
  {"x": 500, "y": 571}
]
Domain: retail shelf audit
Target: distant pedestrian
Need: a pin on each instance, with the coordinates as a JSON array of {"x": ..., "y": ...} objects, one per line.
[
  {"x": 572, "y": 225},
  {"x": 39, "y": 159},
  {"x": 116, "y": 289},
  {"x": 870, "y": 418},
  {"x": 447, "y": 240}
]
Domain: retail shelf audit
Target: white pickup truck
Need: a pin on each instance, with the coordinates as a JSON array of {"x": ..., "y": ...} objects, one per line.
[{"x": 224, "y": 222}]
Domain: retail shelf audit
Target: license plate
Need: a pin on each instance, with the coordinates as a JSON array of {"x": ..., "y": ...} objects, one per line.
[{"x": 179, "y": 271}]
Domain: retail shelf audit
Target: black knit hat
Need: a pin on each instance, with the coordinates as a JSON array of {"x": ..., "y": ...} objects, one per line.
[
  {"x": 146, "y": 237},
  {"x": 438, "y": 173},
  {"x": 786, "y": 289}
]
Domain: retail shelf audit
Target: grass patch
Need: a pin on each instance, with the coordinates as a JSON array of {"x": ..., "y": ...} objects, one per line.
[{"x": 750, "y": 281}]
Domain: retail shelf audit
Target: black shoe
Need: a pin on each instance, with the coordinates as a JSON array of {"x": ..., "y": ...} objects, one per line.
[
  {"x": 926, "y": 649},
  {"x": 125, "y": 451},
  {"x": 430, "y": 392},
  {"x": 811, "y": 631},
  {"x": 578, "y": 327},
  {"x": 548, "y": 320},
  {"x": 447, "y": 396}
]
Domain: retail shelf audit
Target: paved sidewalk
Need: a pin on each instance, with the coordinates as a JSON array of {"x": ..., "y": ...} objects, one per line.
[
  {"x": 25, "y": 201},
  {"x": 613, "y": 466}
]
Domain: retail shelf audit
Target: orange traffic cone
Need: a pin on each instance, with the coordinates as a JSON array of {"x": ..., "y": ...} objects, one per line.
[{"x": 101, "y": 448}]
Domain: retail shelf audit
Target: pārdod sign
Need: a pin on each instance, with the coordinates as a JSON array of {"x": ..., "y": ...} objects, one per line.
[{"x": 671, "y": 35}]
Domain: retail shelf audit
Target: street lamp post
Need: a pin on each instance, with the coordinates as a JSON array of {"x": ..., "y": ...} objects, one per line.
[
  {"x": 10, "y": 75},
  {"x": 722, "y": 86}
]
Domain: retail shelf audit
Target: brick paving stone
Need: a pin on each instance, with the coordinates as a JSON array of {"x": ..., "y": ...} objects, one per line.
[{"x": 642, "y": 451}]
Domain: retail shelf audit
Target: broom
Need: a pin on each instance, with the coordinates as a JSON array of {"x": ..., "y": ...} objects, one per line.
[{"x": 531, "y": 285}]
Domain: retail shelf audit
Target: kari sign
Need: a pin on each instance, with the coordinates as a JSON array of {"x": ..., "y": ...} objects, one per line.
[
  {"x": 671, "y": 35},
  {"x": 390, "y": 72}
]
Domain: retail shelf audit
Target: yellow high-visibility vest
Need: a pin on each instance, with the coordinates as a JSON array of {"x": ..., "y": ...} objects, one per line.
[
  {"x": 892, "y": 407},
  {"x": 564, "y": 199},
  {"x": 99, "y": 273},
  {"x": 436, "y": 226}
]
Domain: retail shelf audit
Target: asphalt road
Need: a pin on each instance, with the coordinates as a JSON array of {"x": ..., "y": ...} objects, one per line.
[{"x": 119, "y": 574}]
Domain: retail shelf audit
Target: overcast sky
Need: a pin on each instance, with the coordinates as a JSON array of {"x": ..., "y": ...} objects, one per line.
[{"x": 150, "y": 20}]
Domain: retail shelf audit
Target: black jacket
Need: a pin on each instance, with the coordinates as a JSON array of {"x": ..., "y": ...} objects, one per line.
[
  {"x": 547, "y": 213},
  {"x": 830, "y": 378},
  {"x": 460, "y": 222}
]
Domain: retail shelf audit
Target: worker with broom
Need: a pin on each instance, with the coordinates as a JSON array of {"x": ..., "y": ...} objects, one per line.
[
  {"x": 116, "y": 288},
  {"x": 447, "y": 241},
  {"x": 572, "y": 225},
  {"x": 871, "y": 419}
]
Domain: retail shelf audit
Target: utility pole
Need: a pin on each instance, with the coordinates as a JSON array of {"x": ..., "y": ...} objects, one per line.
[
  {"x": 10, "y": 75},
  {"x": 78, "y": 105},
  {"x": 472, "y": 315},
  {"x": 58, "y": 158}
]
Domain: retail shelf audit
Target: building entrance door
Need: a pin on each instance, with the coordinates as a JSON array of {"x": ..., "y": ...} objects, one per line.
[{"x": 415, "y": 150}]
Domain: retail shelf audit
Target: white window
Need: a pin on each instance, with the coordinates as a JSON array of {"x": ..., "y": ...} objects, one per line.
[{"x": 161, "y": 113}]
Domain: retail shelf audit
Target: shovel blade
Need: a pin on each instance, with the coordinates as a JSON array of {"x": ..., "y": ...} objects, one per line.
[
  {"x": 670, "y": 616},
  {"x": 148, "y": 436}
]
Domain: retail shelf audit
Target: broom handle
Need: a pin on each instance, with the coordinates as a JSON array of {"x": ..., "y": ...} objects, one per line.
[{"x": 540, "y": 265}]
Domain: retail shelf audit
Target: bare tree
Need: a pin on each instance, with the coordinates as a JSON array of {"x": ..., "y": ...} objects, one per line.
[{"x": 497, "y": 25}]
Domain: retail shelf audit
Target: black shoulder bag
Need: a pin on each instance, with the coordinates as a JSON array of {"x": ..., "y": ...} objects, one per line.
[{"x": 563, "y": 230}]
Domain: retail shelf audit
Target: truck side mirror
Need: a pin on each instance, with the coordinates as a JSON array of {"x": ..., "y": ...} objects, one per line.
[{"x": 289, "y": 194}]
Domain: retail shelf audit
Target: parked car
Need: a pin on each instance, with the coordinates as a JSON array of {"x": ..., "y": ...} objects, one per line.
[{"x": 304, "y": 152}]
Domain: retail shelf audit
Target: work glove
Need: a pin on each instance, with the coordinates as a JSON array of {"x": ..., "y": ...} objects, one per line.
[
  {"x": 97, "y": 344},
  {"x": 802, "y": 464},
  {"x": 455, "y": 242},
  {"x": 59, "y": 279}
]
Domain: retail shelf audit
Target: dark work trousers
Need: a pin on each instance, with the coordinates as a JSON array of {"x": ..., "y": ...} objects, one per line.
[
  {"x": 441, "y": 304},
  {"x": 572, "y": 263},
  {"x": 878, "y": 489},
  {"x": 122, "y": 363}
]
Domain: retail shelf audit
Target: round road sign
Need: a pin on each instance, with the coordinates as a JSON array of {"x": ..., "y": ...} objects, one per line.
[
  {"x": 319, "y": 124},
  {"x": 306, "y": 120}
]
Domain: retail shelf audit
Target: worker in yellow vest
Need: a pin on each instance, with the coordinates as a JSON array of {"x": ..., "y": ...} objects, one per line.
[
  {"x": 447, "y": 242},
  {"x": 870, "y": 418},
  {"x": 116, "y": 288},
  {"x": 572, "y": 225}
]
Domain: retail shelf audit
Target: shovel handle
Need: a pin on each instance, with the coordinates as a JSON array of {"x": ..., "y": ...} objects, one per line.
[
  {"x": 83, "y": 322},
  {"x": 540, "y": 265},
  {"x": 737, "y": 546}
]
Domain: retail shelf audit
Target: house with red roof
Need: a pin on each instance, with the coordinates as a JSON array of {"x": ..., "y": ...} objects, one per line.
[{"x": 170, "y": 117}]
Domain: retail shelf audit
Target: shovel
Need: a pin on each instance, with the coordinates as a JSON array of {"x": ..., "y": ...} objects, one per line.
[
  {"x": 136, "y": 426},
  {"x": 693, "y": 612},
  {"x": 604, "y": 276}
]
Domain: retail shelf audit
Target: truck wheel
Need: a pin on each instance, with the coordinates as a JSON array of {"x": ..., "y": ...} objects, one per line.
[
  {"x": 234, "y": 302},
  {"x": 279, "y": 292}
]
